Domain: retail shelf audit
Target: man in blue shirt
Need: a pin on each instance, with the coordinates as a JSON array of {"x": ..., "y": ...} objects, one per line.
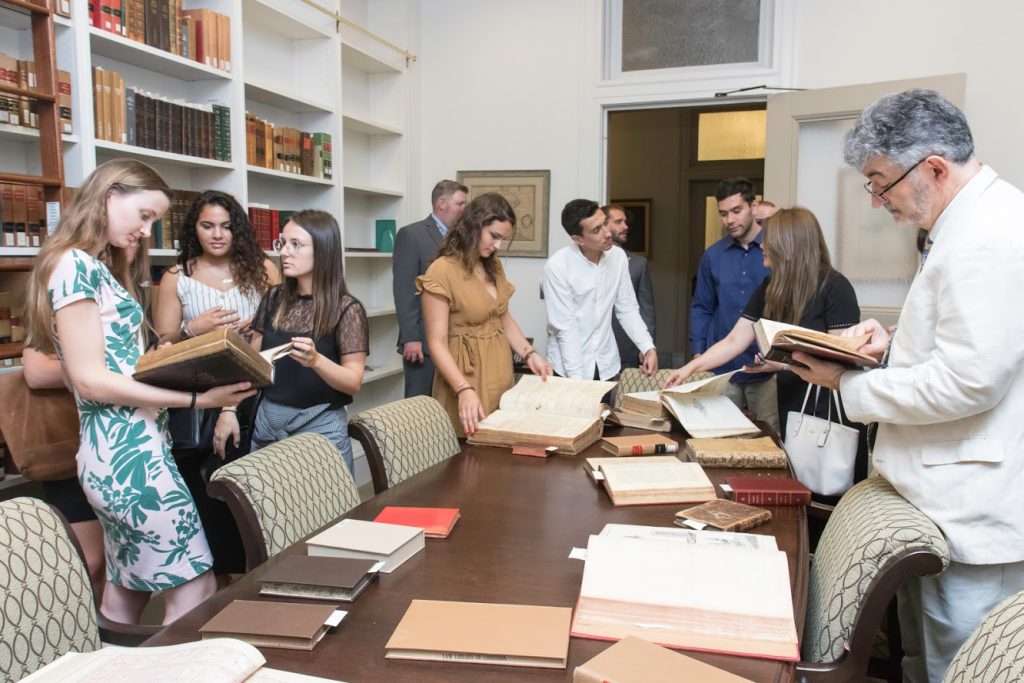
[{"x": 730, "y": 270}]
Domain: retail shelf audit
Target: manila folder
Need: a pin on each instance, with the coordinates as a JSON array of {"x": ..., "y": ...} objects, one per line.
[
  {"x": 482, "y": 633},
  {"x": 632, "y": 660}
]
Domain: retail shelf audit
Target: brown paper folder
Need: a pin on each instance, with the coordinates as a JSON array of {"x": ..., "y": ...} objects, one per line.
[
  {"x": 290, "y": 625},
  {"x": 482, "y": 633},
  {"x": 209, "y": 360},
  {"x": 322, "y": 578},
  {"x": 632, "y": 660}
]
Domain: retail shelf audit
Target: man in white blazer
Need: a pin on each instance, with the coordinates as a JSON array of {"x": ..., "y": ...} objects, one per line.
[{"x": 950, "y": 401}]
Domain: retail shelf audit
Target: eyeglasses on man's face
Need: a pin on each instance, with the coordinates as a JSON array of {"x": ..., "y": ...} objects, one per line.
[
  {"x": 291, "y": 246},
  {"x": 880, "y": 195}
]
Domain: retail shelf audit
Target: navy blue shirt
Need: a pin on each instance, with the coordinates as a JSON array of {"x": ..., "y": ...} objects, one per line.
[{"x": 727, "y": 276}]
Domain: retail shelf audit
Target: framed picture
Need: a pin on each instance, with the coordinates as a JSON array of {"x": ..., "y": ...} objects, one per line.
[
  {"x": 870, "y": 247},
  {"x": 527, "y": 192},
  {"x": 638, "y": 218}
]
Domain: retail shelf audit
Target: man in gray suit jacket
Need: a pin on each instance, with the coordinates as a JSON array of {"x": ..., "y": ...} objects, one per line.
[
  {"x": 415, "y": 249},
  {"x": 628, "y": 352}
]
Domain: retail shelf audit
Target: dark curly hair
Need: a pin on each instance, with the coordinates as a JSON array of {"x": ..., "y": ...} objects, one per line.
[
  {"x": 463, "y": 240},
  {"x": 247, "y": 258}
]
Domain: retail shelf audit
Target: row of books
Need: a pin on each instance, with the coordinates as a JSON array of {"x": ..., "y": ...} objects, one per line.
[
  {"x": 23, "y": 111},
  {"x": 23, "y": 211},
  {"x": 287, "y": 149},
  {"x": 267, "y": 224},
  {"x": 135, "y": 117},
  {"x": 201, "y": 35}
]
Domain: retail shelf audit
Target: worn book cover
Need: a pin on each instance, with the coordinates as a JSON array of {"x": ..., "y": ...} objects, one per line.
[
  {"x": 778, "y": 341},
  {"x": 289, "y": 625},
  {"x": 724, "y": 515},
  {"x": 759, "y": 453},
  {"x": 483, "y": 633},
  {"x": 626, "y": 419},
  {"x": 210, "y": 360},
  {"x": 768, "y": 491},
  {"x": 652, "y": 480},
  {"x": 322, "y": 578},
  {"x": 639, "y": 444},
  {"x": 634, "y": 660}
]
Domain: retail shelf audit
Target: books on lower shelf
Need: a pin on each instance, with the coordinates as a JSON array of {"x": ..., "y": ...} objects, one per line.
[
  {"x": 217, "y": 660},
  {"x": 651, "y": 480},
  {"x": 725, "y": 515},
  {"x": 778, "y": 341},
  {"x": 23, "y": 212},
  {"x": 288, "y": 625},
  {"x": 435, "y": 522},
  {"x": 731, "y": 452},
  {"x": 482, "y": 633},
  {"x": 639, "y": 444},
  {"x": 392, "y": 544},
  {"x": 634, "y": 660},
  {"x": 320, "y": 578},
  {"x": 686, "y": 596},
  {"x": 560, "y": 412},
  {"x": 768, "y": 491},
  {"x": 213, "y": 359}
]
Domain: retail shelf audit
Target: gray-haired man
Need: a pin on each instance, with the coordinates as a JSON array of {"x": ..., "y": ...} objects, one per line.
[{"x": 949, "y": 405}]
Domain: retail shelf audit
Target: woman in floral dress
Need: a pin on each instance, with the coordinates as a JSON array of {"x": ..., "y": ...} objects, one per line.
[{"x": 84, "y": 303}]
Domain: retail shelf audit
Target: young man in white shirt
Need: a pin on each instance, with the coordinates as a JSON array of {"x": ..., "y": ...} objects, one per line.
[{"x": 584, "y": 284}]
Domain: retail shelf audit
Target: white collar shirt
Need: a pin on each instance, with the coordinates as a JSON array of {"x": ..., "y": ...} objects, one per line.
[{"x": 581, "y": 296}]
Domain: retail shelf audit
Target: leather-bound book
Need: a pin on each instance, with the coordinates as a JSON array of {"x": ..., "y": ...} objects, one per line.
[
  {"x": 210, "y": 360},
  {"x": 757, "y": 453},
  {"x": 321, "y": 578},
  {"x": 725, "y": 515},
  {"x": 768, "y": 491}
]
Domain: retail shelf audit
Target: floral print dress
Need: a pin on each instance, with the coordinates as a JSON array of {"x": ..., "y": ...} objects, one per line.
[{"x": 151, "y": 531}]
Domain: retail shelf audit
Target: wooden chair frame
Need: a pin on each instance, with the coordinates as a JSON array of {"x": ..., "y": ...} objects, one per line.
[
  {"x": 374, "y": 456},
  {"x": 248, "y": 523}
]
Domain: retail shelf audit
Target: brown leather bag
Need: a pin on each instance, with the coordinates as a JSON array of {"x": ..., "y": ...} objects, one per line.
[{"x": 40, "y": 427}]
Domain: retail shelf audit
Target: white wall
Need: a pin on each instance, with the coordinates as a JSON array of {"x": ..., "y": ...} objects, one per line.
[{"x": 507, "y": 85}]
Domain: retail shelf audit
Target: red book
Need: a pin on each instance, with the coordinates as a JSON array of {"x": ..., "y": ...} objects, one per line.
[
  {"x": 768, "y": 491},
  {"x": 435, "y": 522}
]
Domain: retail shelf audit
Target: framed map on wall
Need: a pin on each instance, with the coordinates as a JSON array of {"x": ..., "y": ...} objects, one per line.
[{"x": 527, "y": 192}]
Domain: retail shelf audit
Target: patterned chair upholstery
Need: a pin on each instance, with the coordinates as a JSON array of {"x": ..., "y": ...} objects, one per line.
[
  {"x": 284, "y": 492},
  {"x": 46, "y": 608},
  {"x": 403, "y": 438},
  {"x": 995, "y": 651},
  {"x": 873, "y": 542},
  {"x": 633, "y": 380}
]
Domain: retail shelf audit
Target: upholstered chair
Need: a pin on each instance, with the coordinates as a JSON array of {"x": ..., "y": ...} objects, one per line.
[
  {"x": 994, "y": 653},
  {"x": 47, "y": 602},
  {"x": 403, "y": 438},
  {"x": 284, "y": 492},
  {"x": 874, "y": 541},
  {"x": 633, "y": 380}
]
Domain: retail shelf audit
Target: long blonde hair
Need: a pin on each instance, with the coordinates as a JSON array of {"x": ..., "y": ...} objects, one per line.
[
  {"x": 800, "y": 263},
  {"x": 83, "y": 225}
]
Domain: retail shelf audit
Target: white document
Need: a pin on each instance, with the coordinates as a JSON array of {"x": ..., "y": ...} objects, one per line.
[
  {"x": 726, "y": 538},
  {"x": 708, "y": 416}
]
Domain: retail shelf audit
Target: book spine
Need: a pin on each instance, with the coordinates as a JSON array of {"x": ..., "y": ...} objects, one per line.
[{"x": 752, "y": 497}]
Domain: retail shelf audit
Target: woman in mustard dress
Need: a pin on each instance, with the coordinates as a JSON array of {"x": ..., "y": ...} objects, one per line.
[{"x": 469, "y": 329}]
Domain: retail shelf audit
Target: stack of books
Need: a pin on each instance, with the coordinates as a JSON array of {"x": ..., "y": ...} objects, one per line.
[
  {"x": 23, "y": 210},
  {"x": 700, "y": 407}
]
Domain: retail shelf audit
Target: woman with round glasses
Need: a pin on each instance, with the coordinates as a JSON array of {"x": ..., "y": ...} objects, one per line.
[
  {"x": 219, "y": 279},
  {"x": 329, "y": 333}
]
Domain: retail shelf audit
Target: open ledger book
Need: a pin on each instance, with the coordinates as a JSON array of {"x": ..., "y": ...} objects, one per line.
[
  {"x": 221, "y": 660},
  {"x": 213, "y": 359},
  {"x": 565, "y": 413},
  {"x": 778, "y": 341}
]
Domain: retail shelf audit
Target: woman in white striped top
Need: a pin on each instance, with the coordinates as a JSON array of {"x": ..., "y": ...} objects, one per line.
[{"x": 219, "y": 280}]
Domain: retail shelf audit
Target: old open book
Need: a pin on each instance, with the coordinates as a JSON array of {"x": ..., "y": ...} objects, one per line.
[
  {"x": 564, "y": 413},
  {"x": 220, "y": 660},
  {"x": 694, "y": 597},
  {"x": 778, "y": 341},
  {"x": 213, "y": 359},
  {"x": 651, "y": 480},
  {"x": 704, "y": 411}
]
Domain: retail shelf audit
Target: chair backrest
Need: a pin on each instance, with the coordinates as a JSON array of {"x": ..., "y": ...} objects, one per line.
[
  {"x": 47, "y": 608},
  {"x": 403, "y": 438},
  {"x": 633, "y": 380},
  {"x": 284, "y": 492},
  {"x": 873, "y": 542},
  {"x": 995, "y": 651}
]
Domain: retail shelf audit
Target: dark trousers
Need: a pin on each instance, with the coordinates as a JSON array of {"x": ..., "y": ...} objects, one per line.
[{"x": 419, "y": 377}]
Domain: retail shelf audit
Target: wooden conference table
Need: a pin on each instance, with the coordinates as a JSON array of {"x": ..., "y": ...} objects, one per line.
[{"x": 521, "y": 516}]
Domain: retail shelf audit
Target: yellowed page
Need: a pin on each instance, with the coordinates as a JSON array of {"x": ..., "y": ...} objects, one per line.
[
  {"x": 276, "y": 352},
  {"x": 709, "y": 387},
  {"x": 541, "y": 424},
  {"x": 708, "y": 416},
  {"x": 668, "y": 473},
  {"x": 556, "y": 396}
]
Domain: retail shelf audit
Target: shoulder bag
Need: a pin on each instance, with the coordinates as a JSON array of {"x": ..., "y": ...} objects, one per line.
[
  {"x": 40, "y": 427},
  {"x": 822, "y": 452}
]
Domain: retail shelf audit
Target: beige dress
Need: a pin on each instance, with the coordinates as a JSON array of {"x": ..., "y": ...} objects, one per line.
[{"x": 476, "y": 338}]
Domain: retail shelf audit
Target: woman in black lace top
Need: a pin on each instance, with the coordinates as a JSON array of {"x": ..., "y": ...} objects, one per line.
[{"x": 327, "y": 327}]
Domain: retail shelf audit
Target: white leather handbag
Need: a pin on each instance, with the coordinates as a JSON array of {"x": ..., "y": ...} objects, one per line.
[{"x": 822, "y": 452}]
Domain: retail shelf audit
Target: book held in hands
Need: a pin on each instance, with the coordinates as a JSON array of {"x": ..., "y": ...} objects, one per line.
[
  {"x": 560, "y": 412},
  {"x": 209, "y": 360},
  {"x": 391, "y": 543},
  {"x": 320, "y": 578},
  {"x": 778, "y": 341}
]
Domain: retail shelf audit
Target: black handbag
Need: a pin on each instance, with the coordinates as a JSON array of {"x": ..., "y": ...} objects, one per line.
[{"x": 192, "y": 429}]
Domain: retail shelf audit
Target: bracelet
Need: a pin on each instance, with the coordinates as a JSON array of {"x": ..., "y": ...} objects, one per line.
[
  {"x": 465, "y": 388},
  {"x": 192, "y": 404},
  {"x": 186, "y": 331},
  {"x": 229, "y": 410},
  {"x": 526, "y": 356}
]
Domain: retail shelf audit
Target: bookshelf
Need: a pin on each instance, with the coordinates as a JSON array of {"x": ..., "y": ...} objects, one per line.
[{"x": 291, "y": 65}]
